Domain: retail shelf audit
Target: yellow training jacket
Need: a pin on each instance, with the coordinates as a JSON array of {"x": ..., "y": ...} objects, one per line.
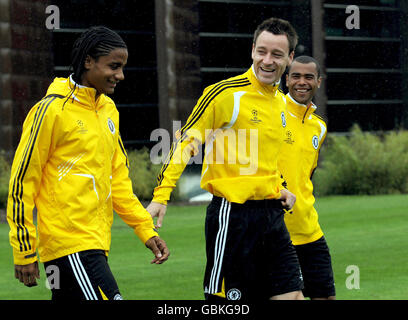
[
  {"x": 304, "y": 135},
  {"x": 241, "y": 123},
  {"x": 71, "y": 165}
]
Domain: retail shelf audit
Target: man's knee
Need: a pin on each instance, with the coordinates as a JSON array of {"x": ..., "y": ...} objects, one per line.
[{"x": 294, "y": 295}]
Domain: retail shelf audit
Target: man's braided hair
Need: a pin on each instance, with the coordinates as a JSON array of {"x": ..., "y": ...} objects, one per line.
[{"x": 95, "y": 42}]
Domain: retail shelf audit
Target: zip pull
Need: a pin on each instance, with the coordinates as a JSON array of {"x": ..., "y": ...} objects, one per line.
[{"x": 304, "y": 116}]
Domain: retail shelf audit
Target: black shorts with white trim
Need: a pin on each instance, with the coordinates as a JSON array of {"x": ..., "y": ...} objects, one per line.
[
  {"x": 82, "y": 275},
  {"x": 249, "y": 251},
  {"x": 317, "y": 271}
]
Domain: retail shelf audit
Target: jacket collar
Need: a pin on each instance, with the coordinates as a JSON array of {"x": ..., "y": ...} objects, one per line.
[
  {"x": 259, "y": 86},
  {"x": 298, "y": 109},
  {"x": 85, "y": 95}
]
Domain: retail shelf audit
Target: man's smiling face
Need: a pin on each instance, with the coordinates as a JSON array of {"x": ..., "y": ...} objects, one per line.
[
  {"x": 303, "y": 81},
  {"x": 105, "y": 72},
  {"x": 270, "y": 56}
]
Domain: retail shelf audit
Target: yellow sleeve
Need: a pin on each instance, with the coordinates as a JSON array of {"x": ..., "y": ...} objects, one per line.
[
  {"x": 25, "y": 180},
  {"x": 318, "y": 151},
  {"x": 177, "y": 159},
  {"x": 125, "y": 202},
  {"x": 198, "y": 127}
]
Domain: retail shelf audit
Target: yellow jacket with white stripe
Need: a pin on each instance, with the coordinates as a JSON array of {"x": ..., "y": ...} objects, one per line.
[
  {"x": 304, "y": 135},
  {"x": 71, "y": 165},
  {"x": 241, "y": 122}
]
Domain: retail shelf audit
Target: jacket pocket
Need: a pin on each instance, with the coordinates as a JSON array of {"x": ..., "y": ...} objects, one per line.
[{"x": 77, "y": 198}]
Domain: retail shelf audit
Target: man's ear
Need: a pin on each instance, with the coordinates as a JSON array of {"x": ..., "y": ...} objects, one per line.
[
  {"x": 319, "y": 81},
  {"x": 253, "y": 51},
  {"x": 291, "y": 55},
  {"x": 89, "y": 62}
]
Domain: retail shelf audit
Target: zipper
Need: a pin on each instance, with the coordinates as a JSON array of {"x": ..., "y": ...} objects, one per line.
[{"x": 304, "y": 116}]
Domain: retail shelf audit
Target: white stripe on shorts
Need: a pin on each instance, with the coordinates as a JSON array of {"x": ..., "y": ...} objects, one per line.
[
  {"x": 220, "y": 241},
  {"x": 82, "y": 277}
]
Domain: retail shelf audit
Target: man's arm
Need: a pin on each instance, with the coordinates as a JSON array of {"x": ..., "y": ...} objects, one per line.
[
  {"x": 178, "y": 157},
  {"x": 201, "y": 123},
  {"x": 129, "y": 208},
  {"x": 322, "y": 139},
  {"x": 25, "y": 182}
]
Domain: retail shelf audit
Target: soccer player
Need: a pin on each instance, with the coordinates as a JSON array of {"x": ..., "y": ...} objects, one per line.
[
  {"x": 305, "y": 133},
  {"x": 241, "y": 120},
  {"x": 72, "y": 166}
]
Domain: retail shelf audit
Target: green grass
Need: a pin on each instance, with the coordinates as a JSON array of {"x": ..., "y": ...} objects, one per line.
[
  {"x": 369, "y": 232},
  {"x": 366, "y": 231}
]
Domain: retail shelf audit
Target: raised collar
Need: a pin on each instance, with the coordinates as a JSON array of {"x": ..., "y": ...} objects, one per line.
[
  {"x": 85, "y": 95},
  {"x": 261, "y": 87},
  {"x": 298, "y": 109}
]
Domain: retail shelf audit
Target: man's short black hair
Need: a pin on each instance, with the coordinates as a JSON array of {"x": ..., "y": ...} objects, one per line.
[
  {"x": 306, "y": 60},
  {"x": 278, "y": 26}
]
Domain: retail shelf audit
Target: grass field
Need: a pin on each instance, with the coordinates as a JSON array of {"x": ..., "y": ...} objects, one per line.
[{"x": 369, "y": 232}]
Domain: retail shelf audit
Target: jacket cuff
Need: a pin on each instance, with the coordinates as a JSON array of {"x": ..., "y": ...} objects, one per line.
[
  {"x": 23, "y": 258},
  {"x": 162, "y": 195},
  {"x": 159, "y": 200},
  {"x": 145, "y": 234}
]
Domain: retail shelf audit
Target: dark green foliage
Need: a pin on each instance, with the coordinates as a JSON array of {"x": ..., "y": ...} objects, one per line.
[
  {"x": 143, "y": 174},
  {"x": 4, "y": 180},
  {"x": 363, "y": 163}
]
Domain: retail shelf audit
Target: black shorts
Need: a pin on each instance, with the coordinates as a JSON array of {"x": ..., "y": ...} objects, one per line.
[
  {"x": 249, "y": 251},
  {"x": 315, "y": 262},
  {"x": 83, "y": 275}
]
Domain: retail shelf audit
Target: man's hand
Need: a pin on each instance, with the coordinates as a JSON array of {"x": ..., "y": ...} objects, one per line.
[
  {"x": 159, "y": 249},
  {"x": 287, "y": 199},
  {"x": 157, "y": 210},
  {"x": 27, "y": 273}
]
